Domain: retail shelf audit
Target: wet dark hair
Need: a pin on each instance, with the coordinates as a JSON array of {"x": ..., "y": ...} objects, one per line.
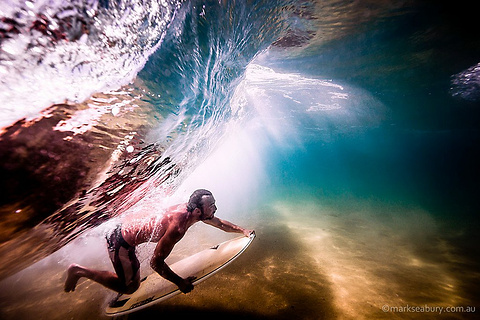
[{"x": 195, "y": 200}]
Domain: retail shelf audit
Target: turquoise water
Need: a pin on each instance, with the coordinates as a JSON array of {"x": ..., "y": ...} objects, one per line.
[{"x": 344, "y": 133}]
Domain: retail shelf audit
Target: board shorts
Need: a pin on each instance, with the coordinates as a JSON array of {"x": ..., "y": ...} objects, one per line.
[{"x": 123, "y": 257}]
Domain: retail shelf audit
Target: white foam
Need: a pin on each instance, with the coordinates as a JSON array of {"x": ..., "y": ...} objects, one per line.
[{"x": 38, "y": 71}]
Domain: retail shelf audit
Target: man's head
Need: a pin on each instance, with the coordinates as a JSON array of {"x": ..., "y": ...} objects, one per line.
[{"x": 204, "y": 201}]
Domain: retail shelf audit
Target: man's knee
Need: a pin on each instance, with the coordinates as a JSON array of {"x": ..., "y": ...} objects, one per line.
[{"x": 132, "y": 287}]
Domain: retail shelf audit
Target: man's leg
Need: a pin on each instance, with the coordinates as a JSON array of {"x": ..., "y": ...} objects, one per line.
[
  {"x": 106, "y": 278},
  {"x": 125, "y": 279}
]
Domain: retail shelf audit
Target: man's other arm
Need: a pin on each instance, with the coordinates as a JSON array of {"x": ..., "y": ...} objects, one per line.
[
  {"x": 227, "y": 226},
  {"x": 162, "y": 250}
]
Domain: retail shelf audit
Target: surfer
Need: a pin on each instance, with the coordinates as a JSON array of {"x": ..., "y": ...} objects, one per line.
[{"x": 166, "y": 231}]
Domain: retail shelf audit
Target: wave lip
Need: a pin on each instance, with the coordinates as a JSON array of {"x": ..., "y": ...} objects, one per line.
[{"x": 57, "y": 51}]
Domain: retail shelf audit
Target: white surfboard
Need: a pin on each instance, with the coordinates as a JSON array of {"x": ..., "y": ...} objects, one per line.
[{"x": 202, "y": 265}]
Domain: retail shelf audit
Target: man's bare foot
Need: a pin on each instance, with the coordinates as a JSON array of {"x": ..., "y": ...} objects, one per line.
[{"x": 73, "y": 274}]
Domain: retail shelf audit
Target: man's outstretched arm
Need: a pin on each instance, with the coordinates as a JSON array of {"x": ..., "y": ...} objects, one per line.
[{"x": 227, "y": 226}]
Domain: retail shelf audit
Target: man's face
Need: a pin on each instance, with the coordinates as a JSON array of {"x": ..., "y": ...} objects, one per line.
[{"x": 208, "y": 208}]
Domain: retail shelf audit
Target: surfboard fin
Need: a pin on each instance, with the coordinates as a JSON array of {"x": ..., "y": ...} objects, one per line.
[{"x": 118, "y": 303}]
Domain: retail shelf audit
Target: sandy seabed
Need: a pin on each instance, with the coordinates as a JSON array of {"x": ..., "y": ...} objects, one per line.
[{"x": 309, "y": 261}]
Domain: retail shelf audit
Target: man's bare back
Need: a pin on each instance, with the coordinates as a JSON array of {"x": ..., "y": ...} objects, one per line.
[
  {"x": 166, "y": 230},
  {"x": 150, "y": 227}
]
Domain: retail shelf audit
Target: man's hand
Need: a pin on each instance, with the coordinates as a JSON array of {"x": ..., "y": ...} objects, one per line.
[
  {"x": 186, "y": 285},
  {"x": 248, "y": 233}
]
